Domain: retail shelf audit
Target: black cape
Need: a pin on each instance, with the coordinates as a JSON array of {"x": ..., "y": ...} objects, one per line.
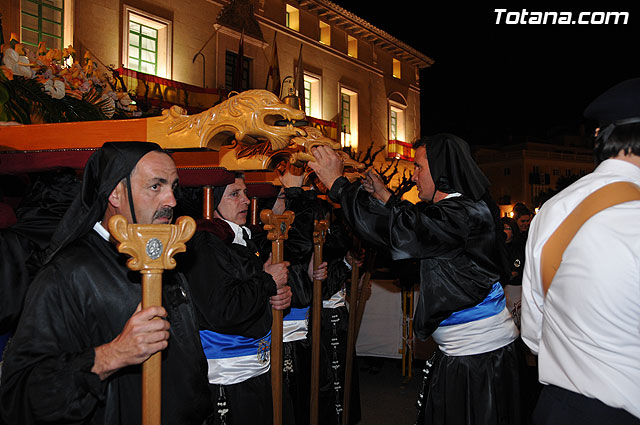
[
  {"x": 455, "y": 239},
  {"x": 22, "y": 245},
  {"x": 80, "y": 300},
  {"x": 230, "y": 288}
]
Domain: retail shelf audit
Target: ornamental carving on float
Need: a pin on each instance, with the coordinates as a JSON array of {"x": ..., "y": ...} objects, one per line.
[
  {"x": 253, "y": 130},
  {"x": 247, "y": 118}
]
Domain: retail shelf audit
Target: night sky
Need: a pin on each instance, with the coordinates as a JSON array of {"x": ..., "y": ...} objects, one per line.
[{"x": 499, "y": 83}]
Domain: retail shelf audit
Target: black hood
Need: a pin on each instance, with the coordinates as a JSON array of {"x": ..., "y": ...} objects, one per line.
[
  {"x": 104, "y": 170},
  {"x": 452, "y": 167}
]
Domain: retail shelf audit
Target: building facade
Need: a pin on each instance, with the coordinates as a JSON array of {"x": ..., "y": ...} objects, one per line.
[
  {"x": 528, "y": 171},
  {"x": 355, "y": 75}
]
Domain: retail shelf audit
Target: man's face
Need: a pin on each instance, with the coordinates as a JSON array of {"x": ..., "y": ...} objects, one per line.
[
  {"x": 422, "y": 175},
  {"x": 234, "y": 205},
  {"x": 523, "y": 222},
  {"x": 152, "y": 184}
]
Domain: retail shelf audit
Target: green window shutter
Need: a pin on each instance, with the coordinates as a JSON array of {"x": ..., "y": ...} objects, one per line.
[
  {"x": 42, "y": 20},
  {"x": 143, "y": 48}
]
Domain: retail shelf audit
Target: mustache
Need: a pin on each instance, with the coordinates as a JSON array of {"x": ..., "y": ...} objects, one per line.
[{"x": 165, "y": 212}]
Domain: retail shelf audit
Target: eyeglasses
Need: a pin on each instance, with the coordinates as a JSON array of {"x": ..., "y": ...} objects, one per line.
[{"x": 507, "y": 227}]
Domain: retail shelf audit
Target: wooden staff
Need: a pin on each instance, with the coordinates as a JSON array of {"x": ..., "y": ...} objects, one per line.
[
  {"x": 320, "y": 228},
  {"x": 278, "y": 228},
  {"x": 207, "y": 202},
  {"x": 253, "y": 211},
  {"x": 351, "y": 335},
  {"x": 151, "y": 247},
  {"x": 364, "y": 292}
]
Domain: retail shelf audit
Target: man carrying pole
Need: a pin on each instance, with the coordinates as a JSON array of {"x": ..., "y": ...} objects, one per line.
[
  {"x": 277, "y": 227},
  {"x": 76, "y": 355},
  {"x": 235, "y": 288},
  {"x": 474, "y": 377},
  {"x": 299, "y": 346}
]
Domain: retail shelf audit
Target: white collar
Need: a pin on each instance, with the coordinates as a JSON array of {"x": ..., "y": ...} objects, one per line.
[
  {"x": 453, "y": 195},
  {"x": 237, "y": 230},
  {"x": 104, "y": 233},
  {"x": 620, "y": 167}
]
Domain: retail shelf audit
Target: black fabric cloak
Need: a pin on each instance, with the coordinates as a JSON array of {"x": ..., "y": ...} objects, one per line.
[
  {"x": 22, "y": 245},
  {"x": 298, "y": 249},
  {"x": 454, "y": 238},
  {"x": 458, "y": 245},
  {"x": 230, "y": 288},
  {"x": 231, "y": 294},
  {"x": 80, "y": 300}
]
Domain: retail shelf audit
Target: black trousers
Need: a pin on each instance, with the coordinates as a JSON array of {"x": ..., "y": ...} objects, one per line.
[{"x": 559, "y": 406}]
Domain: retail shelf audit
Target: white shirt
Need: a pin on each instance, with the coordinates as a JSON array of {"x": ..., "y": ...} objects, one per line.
[
  {"x": 102, "y": 231},
  {"x": 237, "y": 230},
  {"x": 587, "y": 330}
]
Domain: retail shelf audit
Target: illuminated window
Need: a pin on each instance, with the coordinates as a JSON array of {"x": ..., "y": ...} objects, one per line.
[
  {"x": 396, "y": 123},
  {"x": 42, "y": 20},
  {"x": 312, "y": 102},
  {"x": 143, "y": 48},
  {"x": 397, "y": 68},
  {"x": 325, "y": 33},
  {"x": 346, "y": 113},
  {"x": 393, "y": 125},
  {"x": 398, "y": 147},
  {"x": 352, "y": 46},
  {"x": 147, "y": 43},
  {"x": 292, "y": 18},
  {"x": 349, "y": 113}
]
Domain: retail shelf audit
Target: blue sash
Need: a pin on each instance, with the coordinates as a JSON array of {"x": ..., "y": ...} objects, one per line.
[
  {"x": 493, "y": 304},
  {"x": 223, "y": 346},
  {"x": 297, "y": 314}
]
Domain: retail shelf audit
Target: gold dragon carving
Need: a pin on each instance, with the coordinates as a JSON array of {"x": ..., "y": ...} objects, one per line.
[{"x": 253, "y": 130}]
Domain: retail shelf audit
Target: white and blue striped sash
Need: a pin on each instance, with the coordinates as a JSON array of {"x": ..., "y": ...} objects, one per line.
[
  {"x": 234, "y": 358},
  {"x": 479, "y": 329},
  {"x": 295, "y": 324}
]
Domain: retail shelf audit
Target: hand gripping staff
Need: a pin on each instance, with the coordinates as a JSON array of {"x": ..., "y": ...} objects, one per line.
[
  {"x": 278, "y": 228},
  {"x": 320, "y": 228},
  {"x": 151, "y": 247}
]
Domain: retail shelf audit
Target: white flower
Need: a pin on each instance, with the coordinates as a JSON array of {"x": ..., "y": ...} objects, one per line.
[
  {"x": 14, "y": 61},
  {"x": 55, "y": 88}
]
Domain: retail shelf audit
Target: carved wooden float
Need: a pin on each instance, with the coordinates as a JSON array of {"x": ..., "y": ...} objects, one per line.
[{"x": 252, "y": 131}]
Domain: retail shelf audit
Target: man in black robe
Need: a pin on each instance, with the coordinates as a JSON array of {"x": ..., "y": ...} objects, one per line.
[
  {"x": 77, "y": 351},
  {"x": 473, "y": 379},
  {"x": 235, "y": 287}
]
